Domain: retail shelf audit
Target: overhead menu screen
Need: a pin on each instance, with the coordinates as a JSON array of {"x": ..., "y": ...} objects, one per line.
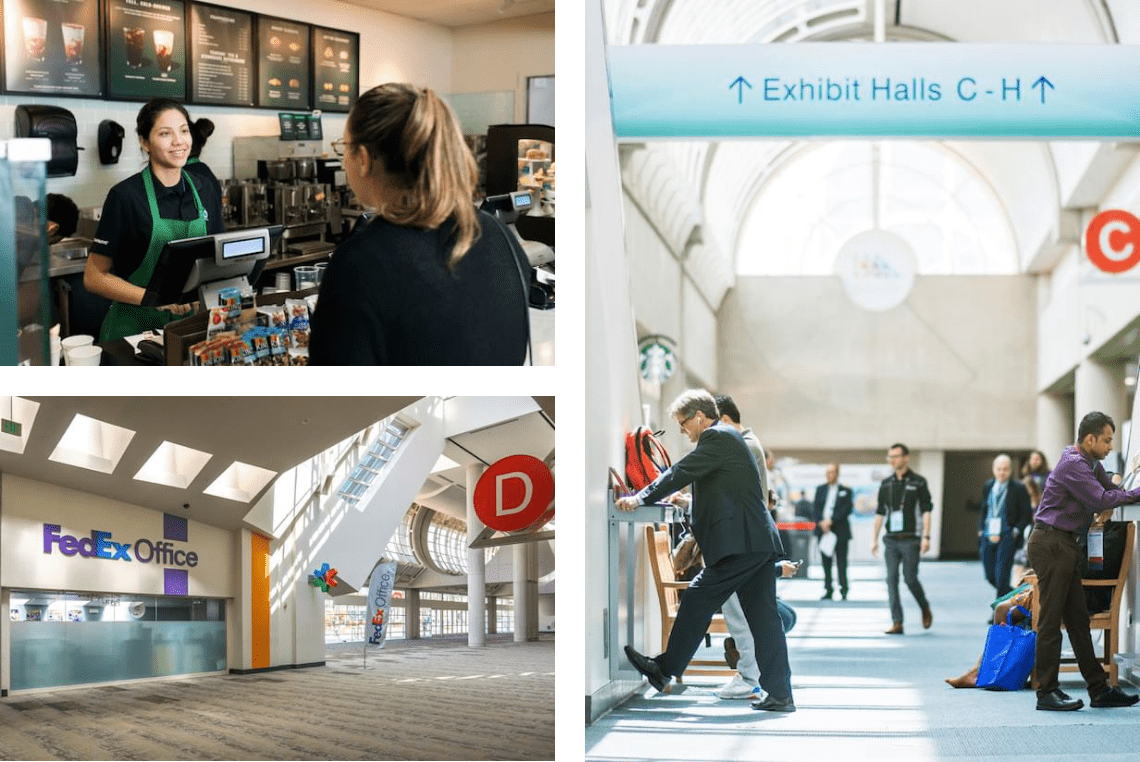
[
  {"x": 146, "y": 49},
  {"x": 283, "y": 63},
  {"x": 221, "y": 56},
  {"x": 336, "y": 69},
  {"x": 52, "y": 47}
]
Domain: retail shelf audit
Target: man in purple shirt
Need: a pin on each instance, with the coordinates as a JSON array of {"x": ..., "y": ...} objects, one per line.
[{"x": 1077, "y": 491}]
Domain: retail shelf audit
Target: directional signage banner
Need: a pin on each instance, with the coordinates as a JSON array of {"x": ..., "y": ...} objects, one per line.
[{"x": 933, "y": 90}]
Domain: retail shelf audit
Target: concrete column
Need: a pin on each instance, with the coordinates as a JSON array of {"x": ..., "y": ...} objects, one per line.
[
  {"x": 492, "y": 615},
  {"x": 1100, "y": 386},
  {"x": 412, "y": 613},
  {"x": 521, "y": 590},
  {"x": 531, "y": 591},
  {"x": 1055, "y": 427},
  {"x": 476, "y": 568}
]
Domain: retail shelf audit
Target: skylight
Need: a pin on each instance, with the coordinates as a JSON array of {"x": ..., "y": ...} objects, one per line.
[
  {"x": 92, "y": 444},
  {"x": 173, "y": 465},
  {"x": 240, "y": 482},
  {"x": 23, "y": 412}
]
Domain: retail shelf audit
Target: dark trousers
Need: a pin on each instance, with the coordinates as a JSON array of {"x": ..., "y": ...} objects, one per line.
[
  {"x": 903, "y": 550},
  {"x": 997, "y": 561},
  {"x": 840, "y": 557},
  {"x": 1056, "y": 558},
  {"x": 753, "y": 578}
]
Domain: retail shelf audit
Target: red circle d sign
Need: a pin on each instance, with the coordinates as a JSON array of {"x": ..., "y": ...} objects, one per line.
[
  {"x": 1112, "y": 241},
  {"x": 515, "y": 493}
]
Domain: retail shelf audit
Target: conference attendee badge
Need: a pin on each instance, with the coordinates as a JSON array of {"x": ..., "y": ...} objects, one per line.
[
  {"x": 896, "y": 522},
  {"x": 994, "y": 526},
  {"x": 1096, "y": 549}
]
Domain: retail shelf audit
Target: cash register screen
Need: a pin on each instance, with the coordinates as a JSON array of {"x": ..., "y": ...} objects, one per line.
[{"x": 243, "y": 248}]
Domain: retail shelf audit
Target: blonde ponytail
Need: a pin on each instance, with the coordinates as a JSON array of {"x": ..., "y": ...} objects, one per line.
[{"x": 417, "y": 138}]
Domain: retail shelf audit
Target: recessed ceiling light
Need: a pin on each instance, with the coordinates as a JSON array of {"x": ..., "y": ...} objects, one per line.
[
  {"x": 173, "y": 465},
  {"x": 93, "y": 444},
  {"x": 23, "y": 412},
  {"x": 240, "y": 482}
]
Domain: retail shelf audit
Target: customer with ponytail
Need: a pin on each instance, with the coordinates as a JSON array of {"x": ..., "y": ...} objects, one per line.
[{"x": 430, "y": 280}]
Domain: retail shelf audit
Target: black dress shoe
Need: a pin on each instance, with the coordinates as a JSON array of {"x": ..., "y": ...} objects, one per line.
[
  {"x": 1058, "y": 701},
  {"x": 826, "y": 596},
  {"x": 770, "y": 704},
  {"x": 1114, "y": 697},
  {"x": 647, "y": 667},
  {"x": 843, "y": 593}
]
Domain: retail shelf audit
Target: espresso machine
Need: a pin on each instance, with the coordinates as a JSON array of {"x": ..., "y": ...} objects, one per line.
[{"x": 245, "y": 204}]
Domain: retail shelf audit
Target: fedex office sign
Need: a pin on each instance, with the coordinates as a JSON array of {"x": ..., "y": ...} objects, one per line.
[
  {"x": 515, "y": 493},
  {"x": 101, "y": 545}
]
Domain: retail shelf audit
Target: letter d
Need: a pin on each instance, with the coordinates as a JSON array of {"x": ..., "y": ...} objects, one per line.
[{"x": 499, "y": 509}]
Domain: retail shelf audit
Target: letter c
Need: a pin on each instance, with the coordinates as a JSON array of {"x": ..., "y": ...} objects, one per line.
[{"x": 973, "y": 94}]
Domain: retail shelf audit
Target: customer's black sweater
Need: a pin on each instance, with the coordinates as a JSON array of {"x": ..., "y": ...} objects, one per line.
[{"x": 388, "y": 298}]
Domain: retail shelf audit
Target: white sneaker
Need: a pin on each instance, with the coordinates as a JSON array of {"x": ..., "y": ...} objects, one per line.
[{"x": 738, "y": 688}]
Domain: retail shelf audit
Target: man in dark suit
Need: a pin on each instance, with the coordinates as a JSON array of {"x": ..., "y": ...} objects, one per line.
[
  {"x": 832, "y": 509},
  {"x": 740, "y": 545},
  {"x": 1006, "y": 512}
]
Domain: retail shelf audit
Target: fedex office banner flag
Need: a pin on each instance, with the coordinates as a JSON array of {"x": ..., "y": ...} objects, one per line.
[{"x": 379, "y": 596}]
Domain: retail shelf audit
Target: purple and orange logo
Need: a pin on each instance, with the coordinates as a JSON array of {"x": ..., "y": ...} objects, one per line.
[{"x": 101, "y": 545}]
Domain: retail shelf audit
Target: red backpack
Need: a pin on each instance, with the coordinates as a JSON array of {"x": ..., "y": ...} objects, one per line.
[{"x": 645, "y": 457}]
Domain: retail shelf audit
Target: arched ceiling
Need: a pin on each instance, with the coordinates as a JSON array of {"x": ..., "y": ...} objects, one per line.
[{"x": 727, "y": 177}]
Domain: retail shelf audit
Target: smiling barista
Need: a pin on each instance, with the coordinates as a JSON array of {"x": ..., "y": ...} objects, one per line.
[{"x": 162, "y": 203}]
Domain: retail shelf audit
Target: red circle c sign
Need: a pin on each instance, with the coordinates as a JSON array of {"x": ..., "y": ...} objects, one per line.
[
  {"x": 515, "y": 493},
  {"x": 1112, "y": 241}
]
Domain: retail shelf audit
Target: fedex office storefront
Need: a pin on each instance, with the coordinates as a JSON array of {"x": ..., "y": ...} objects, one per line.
[{"x": 96, "y": 590}]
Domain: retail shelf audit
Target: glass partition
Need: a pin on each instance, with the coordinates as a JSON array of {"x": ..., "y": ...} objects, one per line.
[
  {"x": 24, "y": 302},
  {"x": 74, "y": 638}
]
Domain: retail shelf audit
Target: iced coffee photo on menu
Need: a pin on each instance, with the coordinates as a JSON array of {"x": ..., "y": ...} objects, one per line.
[
  {"x": 48, "y": 50},
  {"x": 146, "y": 48}
]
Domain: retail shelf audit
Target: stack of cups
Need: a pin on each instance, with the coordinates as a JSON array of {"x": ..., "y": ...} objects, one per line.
[
  {"x": 283, "y": 281},
  {"x": 87, "y": 355},
  {"x": 56, "y": 345},
  {"x": 321, "y": 271},
  {"x": 71, "y": 343},
  {"x": 304, "y": 277}
]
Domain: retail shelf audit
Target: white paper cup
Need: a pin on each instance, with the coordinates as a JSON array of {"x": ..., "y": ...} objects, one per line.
[
  {"x": 89, "y": 355},
  {"x": 56, "y": 350},
  {"x": 74, "y": 342}
]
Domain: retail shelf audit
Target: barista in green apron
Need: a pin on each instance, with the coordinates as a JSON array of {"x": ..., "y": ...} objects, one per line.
[
  {"x": 126, "y": 319},
  {"x": 161, "y": 203}
]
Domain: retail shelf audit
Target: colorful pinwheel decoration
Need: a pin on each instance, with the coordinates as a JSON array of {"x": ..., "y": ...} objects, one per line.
[{"x": 324, "y": 578}]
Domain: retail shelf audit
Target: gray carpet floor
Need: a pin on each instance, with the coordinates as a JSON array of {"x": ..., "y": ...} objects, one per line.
[
  {"x": 433, "y": 699},
  {"x": 863, "y": 695}
]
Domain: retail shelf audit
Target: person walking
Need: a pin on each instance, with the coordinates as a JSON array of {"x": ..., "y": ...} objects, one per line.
[
  {"x": 1077, "y": 493},
  {"x": 900, "y": 495},
  {"x": 1004, "y": 516},
  {"x": 832, "y": 507},
  {"x": 740, "y": 546}
]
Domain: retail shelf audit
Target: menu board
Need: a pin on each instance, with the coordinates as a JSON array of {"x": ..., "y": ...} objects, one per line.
[
  {"x": 221, "y": 56},
  {"x": 52, "y": 47},
  {"x": 300, "y": 126},
  {"x": 146, "y": 49},
  {"x": 282, "y": 63},
  {"x": 336, "y": 69}
]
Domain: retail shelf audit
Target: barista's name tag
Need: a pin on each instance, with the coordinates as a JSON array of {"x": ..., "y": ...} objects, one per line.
[
  {"x": 896, "y": 521},
  {"x": 1096, "y": 549}
]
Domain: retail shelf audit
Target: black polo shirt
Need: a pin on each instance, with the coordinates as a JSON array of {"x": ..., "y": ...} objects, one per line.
[
  {"x": 905, "y": 494},
  {"x": 125, "y": 225}
]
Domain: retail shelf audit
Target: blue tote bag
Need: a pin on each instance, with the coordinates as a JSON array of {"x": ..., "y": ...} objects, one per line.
[{"x": 1008, "y": 656}]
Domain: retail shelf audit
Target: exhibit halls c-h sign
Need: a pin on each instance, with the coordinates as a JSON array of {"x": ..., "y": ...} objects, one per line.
[
  {"x": 1112, "y": 241},
  {"x": 515, "y": 493},
  {"x": 927, "y": 89}
]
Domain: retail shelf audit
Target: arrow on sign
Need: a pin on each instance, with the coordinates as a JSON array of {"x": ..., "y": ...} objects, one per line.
[
  {"x": 1042, "y": 82},
  {"x": 739, "y": 83}
]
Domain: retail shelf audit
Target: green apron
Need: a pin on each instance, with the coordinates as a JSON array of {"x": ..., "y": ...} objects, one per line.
[{"x": 129, "y": 319}]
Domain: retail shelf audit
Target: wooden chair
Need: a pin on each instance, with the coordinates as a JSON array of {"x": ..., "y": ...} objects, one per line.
[
  {"x": 657, "y": 542},
  {"x": 1108, "y": 621}
]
